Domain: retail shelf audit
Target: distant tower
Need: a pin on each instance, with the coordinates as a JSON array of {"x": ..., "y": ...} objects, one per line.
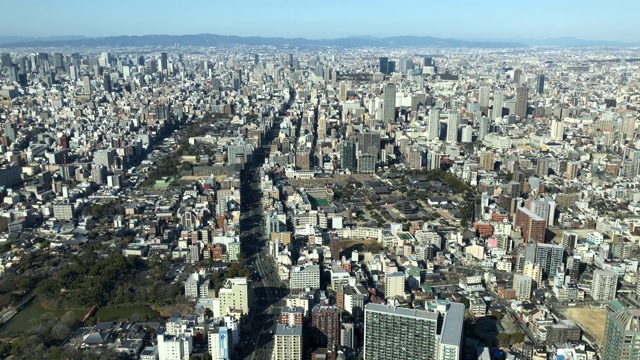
[
  {"x": 434, "y": 124},
  {"x": 522, "y": 95},
  {"x": 389, "y": 102},
  {"x": 164, "y": 63},
  {"x": 107, "y": 83},
  {"x": 452, "y": 128},
  {"x": 540, "y": 84},
  {"x": 384, "y": 64},
  {"x": 483, "y": 96},
  {"x": 86, "y": 85}
]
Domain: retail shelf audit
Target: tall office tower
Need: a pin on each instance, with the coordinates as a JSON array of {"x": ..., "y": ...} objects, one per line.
[
  {"x": 369, "y": 143},
  {"x": 557, "y": 130},
  {"x": 107, "y": 83},
  {"x": 5, "y": 60},
  {"x": 466, "y": 135},
  {"x": 622, "y": 334},
  {"x": 86, "y": 85},
  {"x": 290, "y": 62},
  {"x": 545, "y": 208},
  {"x": 342, "y": 95},
  {"x": 628, "y": 126},
  {"x": 436, "y": 333},
  {"x": 73, "y": 72},
  {"x": 483, "y": 96},
  {"x": 498, "y": 104},
  {"x": 322, "y": 127},
  {"x": 540, "y": 84},
  {"x": 453, "y": 121},
  {"x": 391, "y": 67},
  {"x": 516, "y": 76},
  {"x": 348, "y": 155},
  {"x": 427, "y": 61},
  {"x": 58, "y": 62},
  {"x": 604, "y": 285},
  {"x": 389, "y": 102},
  {"x": 325, "y": 327},
  {"x": 533, "y": 227},
  {"x": 433, "y": 127},
  {"x": 164, "y": 62},
  {"x": 548, "y": 256},
  {"x": 384, "y": 63},
  {"x": 256, "y": 59},
  {"x": 287, "y": 343},
  {"x": 522, "y": 284},
  {"x": 13, "y": 73},
  {"x": 522, "y": 95},
  {"x": 483, "y": 127}
]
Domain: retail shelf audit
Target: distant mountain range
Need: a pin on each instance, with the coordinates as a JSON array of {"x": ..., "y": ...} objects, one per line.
[
  {"x": 347, "y": 42},
  {"x": 213, "y": 40}
]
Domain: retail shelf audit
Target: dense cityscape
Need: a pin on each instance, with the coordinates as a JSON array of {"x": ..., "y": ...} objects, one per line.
[{"x": 275, "y": 202}]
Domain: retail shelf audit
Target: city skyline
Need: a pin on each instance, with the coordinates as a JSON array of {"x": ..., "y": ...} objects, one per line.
[{"x": 490, "y": 20}]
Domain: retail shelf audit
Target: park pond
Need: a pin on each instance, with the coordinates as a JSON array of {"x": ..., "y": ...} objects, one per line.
[{"x": 34, "y": 313}]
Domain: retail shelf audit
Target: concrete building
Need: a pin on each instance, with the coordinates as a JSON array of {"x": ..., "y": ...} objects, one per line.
[
  {"x": 622, "y": 333},
  {"x": 325, "y": 327},
  {"x": 522, "y": 284},
  {"x": 302, "y": 278},
  {"x": 390, "y": 332},
  {"x": 604, "y": 285},
  {"x": 235, "y": 294},
  {"x": 533, "y": 226},
  {"x": 394, "y": 285},
  {"x": 287, "y": 343}
]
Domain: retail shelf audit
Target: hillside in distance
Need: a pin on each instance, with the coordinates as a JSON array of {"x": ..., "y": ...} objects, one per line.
[{"x": 218, "y": 40}]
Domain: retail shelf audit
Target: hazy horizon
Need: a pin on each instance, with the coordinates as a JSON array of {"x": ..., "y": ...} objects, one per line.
[{"x": 464, "y": 19}]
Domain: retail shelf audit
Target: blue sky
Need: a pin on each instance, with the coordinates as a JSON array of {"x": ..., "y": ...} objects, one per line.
[{"x": 462, "y": 19}]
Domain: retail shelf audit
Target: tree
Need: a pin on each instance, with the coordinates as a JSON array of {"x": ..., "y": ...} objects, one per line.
[
  {"x": 517, "y": 338},
  {"x": 497, "y": 314},
  {"x": 503, "y": 338}
]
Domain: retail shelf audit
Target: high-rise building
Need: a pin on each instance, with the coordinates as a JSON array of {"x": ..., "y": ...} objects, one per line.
[
  {"x": 107, "y": 83},
  {"x": 452, "y": 128},
  {"x": 369, "y": 143},
  {"x": 235, "y": 295},
  {"x": 389, "y": 102},
  {"x": 174, "y": 347},
  {"x": 522, "y": 96},
  {"x": 58, "y": 62},
  {"x": 5, "y": 60},
  {"x": 256, "y": 59},
  {"x": 86, "y": 85},
  {"x": 366, "y": 164},
  {"x": 548, "y": 256},
  {"x": 325, "y": 327},
  {"x": 348, "y": 155},
  {"x": 394, "y": 285},
  {"x": 487, "y": 160},
  {"x": 433, "y": 127},
  {"x": 522, "y": 285},
  {"x": 406, "y": 334},
  {"x": 414, "y": 156},
  {"x": 391, "y": 67},
  {"x": 517, "y": 74},
  {"x": 483, "y": 96},
  {"x": 219, "y": 339},
  {"x": 533, "y": 227},
  {"x": 604, "y": 285},
  {"x": 540, "y": 84},
  {"x": 534, "y": 271},
  {"x": 498, "y": 104},
  {"x": 164, "y": 62},
  {"x": 628, "y": 126},
  {"x": 557, "y": 130},
  {"x": 287, "y": 343},
  {"x": 483, "y": 127},
  {"x": 622, "y": 333},
  {"x": 384, "y": 63}
]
